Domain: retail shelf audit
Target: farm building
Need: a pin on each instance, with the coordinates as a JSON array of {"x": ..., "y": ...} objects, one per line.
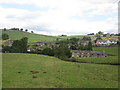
[{"x": 77, "y": 54}]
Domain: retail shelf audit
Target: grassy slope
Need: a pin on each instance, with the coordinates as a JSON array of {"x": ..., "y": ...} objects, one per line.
[
  {"x": 14, "y": 35},
  {"x": 59, "y": 74},
  {"x": 109, "y": 59},
  {"x": 39, "y": 37},
  {"x": 108, "y": 50}
]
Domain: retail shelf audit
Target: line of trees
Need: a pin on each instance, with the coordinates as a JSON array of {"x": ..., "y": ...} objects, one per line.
[{"x": 17, "y": 29}]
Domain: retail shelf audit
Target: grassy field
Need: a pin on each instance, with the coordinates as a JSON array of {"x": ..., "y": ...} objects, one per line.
[
  {"x": 14, "y": 35},
  {"x": 54, "y": 73},
  {"x": 108, "y": 50},
  {"x": 108, "y": 59}
]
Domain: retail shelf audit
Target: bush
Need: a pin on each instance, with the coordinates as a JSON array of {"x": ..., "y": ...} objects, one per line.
[
  {"x": 5, "y": 36},
  {"x": 62, "y": 52},
  {"x": 6, "y": 49},
  {"x": 48, "y": 51},
  {"x": 20, "y": 46}
]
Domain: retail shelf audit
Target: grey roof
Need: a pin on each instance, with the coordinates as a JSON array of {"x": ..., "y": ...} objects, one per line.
[{"x": 52, "y": 42}]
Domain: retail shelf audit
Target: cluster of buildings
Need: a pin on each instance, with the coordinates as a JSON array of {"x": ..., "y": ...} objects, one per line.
[
  {"x": 77, "y": 54},
  {"x": 105, "y": 42},
  {"x": 40, "y": 45}
]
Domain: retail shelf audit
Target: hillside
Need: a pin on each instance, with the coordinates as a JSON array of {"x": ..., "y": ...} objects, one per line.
[
  {"x": 32, "y": 37},
  {"x": 39, "y": 71},
  {"x": 14, "y": 35}
]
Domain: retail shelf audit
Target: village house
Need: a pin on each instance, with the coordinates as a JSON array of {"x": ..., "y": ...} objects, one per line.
[
  {"x": 83, "y": 42},
  {"x": 77, "y": 54},
  {"x": 105, "y": 42},
  {"x": 40, "y": 45}
]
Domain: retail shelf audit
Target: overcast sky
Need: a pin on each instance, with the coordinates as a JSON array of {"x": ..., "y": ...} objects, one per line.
[{"x": 55, "y": 17}]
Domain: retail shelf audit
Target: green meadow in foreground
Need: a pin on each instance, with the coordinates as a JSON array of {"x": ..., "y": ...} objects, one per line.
[{"x": 40, "y": 71}]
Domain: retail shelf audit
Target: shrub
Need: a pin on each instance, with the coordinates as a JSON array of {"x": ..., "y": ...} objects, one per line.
[
  {"x": 62, "y": 52},
  {"x": 20, "y": 46},
  {"x": 48, "y": 51},
  {"x": 6, "y": 49},
  {"x": 5, "y": 36}
]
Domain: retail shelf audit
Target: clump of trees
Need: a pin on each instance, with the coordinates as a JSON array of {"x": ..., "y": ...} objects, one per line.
[
  {"x": 5, "y": 36},
  {"x": 62, "y": 52},
  {"x": 86, "y": 47},
  {"x": 18, "y": 46},
  {"x": 48, "y": 51},
  {"x": 6, "y": 49}
]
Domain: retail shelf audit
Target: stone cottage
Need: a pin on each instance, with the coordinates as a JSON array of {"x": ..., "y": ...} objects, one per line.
[
  {"x": 40, "y": 45},
  {"x": 77, "y": 54}
]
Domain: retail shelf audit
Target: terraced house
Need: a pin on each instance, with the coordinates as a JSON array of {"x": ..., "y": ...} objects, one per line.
[
  {"x": 77, "y": 54},
  {"x": 105, "y": 42}
]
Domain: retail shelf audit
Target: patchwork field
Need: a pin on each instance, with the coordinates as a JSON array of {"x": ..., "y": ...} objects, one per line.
[{"x": 39, "y": 71}]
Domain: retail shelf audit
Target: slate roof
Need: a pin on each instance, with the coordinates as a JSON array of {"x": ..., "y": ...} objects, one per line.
[{"x": 49, "y": 42}]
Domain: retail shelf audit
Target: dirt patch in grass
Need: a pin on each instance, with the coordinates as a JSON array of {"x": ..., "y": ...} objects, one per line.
[
  {"x": 34, "y": 77},
  {"x": 44, "y": 72},
  {"x": 34, "y": 72}
]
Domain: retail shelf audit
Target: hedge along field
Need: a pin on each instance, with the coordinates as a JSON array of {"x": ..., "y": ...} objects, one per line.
[
  {"x": 40, "y": 71},
  {"x": 108, "y": 59}
]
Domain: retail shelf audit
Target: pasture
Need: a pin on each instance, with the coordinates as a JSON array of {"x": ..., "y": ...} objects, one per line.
[{"x": 40, "y": 71}]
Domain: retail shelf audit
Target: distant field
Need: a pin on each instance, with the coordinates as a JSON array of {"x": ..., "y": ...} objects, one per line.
[
  {"x": 108, "y": 50},
  {"x": 14, "y": 35},
  {"x": 54, "y": 73},
  {"x": 108, "y": 59}
]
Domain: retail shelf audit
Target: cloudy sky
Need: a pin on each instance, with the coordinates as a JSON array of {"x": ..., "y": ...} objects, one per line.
[{"x": 55, "y": 17}]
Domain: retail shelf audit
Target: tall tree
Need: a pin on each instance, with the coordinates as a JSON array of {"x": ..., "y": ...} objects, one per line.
[
  {"x": 62, "y": 52},
  {"x": 20, "y": 46}
]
